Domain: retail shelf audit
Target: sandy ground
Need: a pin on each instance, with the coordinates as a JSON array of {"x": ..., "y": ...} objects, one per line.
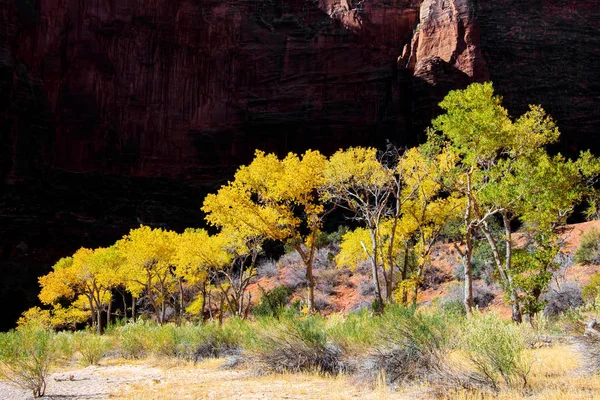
[
  {"x": 160, "y": 380},
  {"x": 93, "y": 382}
]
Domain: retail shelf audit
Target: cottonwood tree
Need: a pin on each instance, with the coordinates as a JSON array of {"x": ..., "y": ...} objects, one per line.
[
  {"x": 426, "y": 210},
  {"x": 358, "y": 181},
  {"x": 473, "y": 128},
  {"x": 278, "y": 200},
  {"x": 244, "y": 249},
  {"x": 197, "y": 255},
  {"x": 500, "y": 172},
  {"x": 148, "y": 267},
  {"x": 88, "y": 278}
]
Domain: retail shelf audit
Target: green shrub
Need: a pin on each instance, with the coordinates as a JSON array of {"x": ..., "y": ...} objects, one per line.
[
  {"x": 496, "y": 350},
  {"x": 91, "y": 346},
  {"x": 63, "y": 344},
  {"x": 165, "y": 340},
  {"x": 26, "y": 356},
  {"x": 591, "y": 291},
  {"x": 355, "y": 332},
  {"x": 273, "y": 302},
  {"x": 588, "y": 251},
  {"x": 132, "y": 339}
]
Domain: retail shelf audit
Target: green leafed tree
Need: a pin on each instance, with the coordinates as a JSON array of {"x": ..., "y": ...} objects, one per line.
[{"x": 503, "y": 170}]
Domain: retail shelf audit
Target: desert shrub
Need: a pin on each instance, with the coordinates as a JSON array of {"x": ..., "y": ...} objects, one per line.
[
  {"x": 483, "y": 295},
  {"x": 559, "y": 300},
  {"x": 63, "y": 345},
  {"x": 220, "y": 341},
  {"x": 267, "y": 269},
  {"x": 296, "y": 345},
  {"x": 133, "y": 339},
  {"x": 322, "y": 302},
  {"x": 294, "y": 278},
  {"x": 26, "y": 356},
  {"x": 366, "y": 288},
  {"x": 291, "y": 259},
  {"x": 433, "y": 277},
  {"x": 91, "y": 347},
  {"x": 496, "y": 350},
  {"x": 588, "y": 251},
  {"x": 591, "y": 291},
  {"x": 328, "y": 279},
  {"x": 165, "y": 340},
  {"x": 356, "y": 331},
  {"x": 411, "y": 346},
  {"x": 453, "y": 306},
  {"x": 273, "y": 301}
]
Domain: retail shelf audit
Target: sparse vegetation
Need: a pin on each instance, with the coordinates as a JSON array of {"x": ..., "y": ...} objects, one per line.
[
  {"x": 26, "y": 356},
  {"x": 588, "y": 251}
]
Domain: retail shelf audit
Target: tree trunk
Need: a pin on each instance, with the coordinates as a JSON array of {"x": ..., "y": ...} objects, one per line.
[
  {"x": 378, "y": 298},
  {"x": 404, "y": 275},
  {"x": 108, "y": 312},
  {"x": 133, "y": 303},
  {"x": 98, "y": 321},
  {"x": 124, "y": 304},
  {"x": 181, "y": 303},
  {"x": 504, "y": 269},
  {"x": 203, "y": 289},
  {"x": 468, "y": 290},
  {"x": 311, "y": 287}
]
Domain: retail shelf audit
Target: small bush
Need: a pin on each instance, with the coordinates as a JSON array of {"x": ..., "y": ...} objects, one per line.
[
  {"x": 496, "y": 350},
  {"x": 295, "y": 278},
  {"x": 219, "y": 341},
  {"x": 411, "y": 346},
  {"x": 273, "y": 301},
  {"x": 291, "y": 260},
  {"x": 483, "y": 296},
  {"x": 165, "y": 340},
  {"x": 297, "y": 345},
  {"x": 328, "y": 280},
  {"x": 433, "y": 277},
  {"x": 591, "y": 291},
  {"x": 366, "y": 288},
  {"x": 91, "y": 346},
  {"x": 322, "y": 302},
  {"x": 132, "y": 339},
  {"x": 559, "y": 300},
  {"x": 26, "y": 356},
  {"x": 267, "y": 269},
  {"x": 588, "y": 251}
]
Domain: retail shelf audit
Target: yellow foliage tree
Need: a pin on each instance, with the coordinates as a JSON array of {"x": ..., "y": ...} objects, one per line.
[
  {"x": 87, "y": 279},
  {"x": 197, "y": 254},
  {"x": 275, "y": 199},
  {"x": 149, "y": 267}
]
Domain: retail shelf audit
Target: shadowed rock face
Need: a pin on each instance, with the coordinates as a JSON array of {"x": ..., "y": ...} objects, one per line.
[
  {"x": 120, "y": 112},
  {"x": 177, "y": 88}
]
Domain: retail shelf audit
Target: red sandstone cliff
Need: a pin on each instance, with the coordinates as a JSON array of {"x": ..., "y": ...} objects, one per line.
[{"x": 168, "y": 88}]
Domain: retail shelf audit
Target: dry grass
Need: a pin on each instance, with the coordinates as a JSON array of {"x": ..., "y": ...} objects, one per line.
[
  {"x": 207, "y": 381},
  {"x": 555, "y": 374}
]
